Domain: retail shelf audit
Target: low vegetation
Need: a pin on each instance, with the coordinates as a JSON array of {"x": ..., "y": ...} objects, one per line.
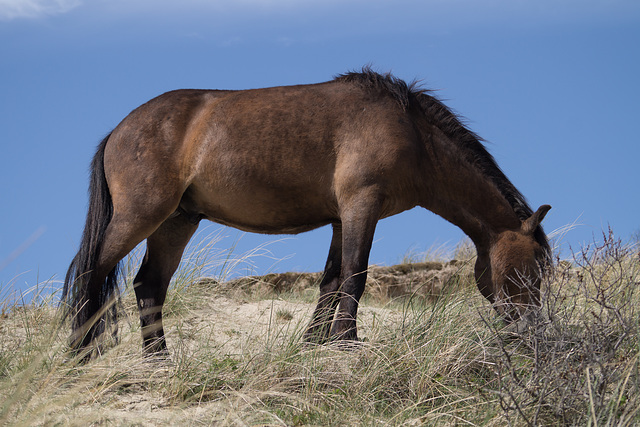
[{"x": 433, "y": 353}]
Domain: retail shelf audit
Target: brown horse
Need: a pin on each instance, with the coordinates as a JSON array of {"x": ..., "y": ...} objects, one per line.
[{"x": 347, "y": 152}]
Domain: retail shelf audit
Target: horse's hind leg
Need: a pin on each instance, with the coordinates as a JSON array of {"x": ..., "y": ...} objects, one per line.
[
  {"x": 320, "y": 325},
  {"x": 122, "y": 234},
  {"x": 164, "y": 251}
]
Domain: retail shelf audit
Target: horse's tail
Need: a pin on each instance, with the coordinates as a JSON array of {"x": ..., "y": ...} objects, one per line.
[{"x": 91, "y": 305}]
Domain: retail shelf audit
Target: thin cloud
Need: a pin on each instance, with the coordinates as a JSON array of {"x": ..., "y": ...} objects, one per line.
[
  {"x": 30, "y": 9},
  {"x": 444, "y": 13}
]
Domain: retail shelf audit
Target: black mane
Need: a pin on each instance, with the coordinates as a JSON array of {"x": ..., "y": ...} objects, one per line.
[
  {"x": 411, "y": 96},
  {"x": 403, "y": 93}
]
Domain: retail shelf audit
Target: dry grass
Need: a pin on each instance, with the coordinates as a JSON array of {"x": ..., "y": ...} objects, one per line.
[{"x": 434, "y": 354}]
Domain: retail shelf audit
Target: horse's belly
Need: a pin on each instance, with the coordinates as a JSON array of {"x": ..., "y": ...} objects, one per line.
[{"x": 259, "y": 209}]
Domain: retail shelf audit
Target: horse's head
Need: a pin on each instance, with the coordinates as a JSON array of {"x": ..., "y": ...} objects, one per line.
[{"x": 509, "y": 272}]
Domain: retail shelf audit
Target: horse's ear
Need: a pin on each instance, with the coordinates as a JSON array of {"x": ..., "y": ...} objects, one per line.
[{"x": 530, "y": 224}]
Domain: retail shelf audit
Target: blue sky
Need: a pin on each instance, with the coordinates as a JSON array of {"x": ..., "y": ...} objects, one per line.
[{"x": 552, "y": 85}]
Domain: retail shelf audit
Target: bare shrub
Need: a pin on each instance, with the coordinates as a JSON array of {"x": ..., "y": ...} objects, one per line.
[{"x": 577, "y": 364}]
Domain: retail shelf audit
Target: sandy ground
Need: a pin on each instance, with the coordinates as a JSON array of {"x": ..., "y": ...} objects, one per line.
[
  {"x": 237, "y": 322},
  {"x": 220, "y": 325}
]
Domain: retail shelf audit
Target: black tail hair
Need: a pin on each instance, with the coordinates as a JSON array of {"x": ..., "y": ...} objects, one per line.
[{"x": 91, "y": 305}]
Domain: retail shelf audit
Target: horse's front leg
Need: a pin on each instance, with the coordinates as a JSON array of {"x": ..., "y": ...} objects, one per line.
[
  {"x": 358, "y": 227},
  {"x": 320, "y": 326}
]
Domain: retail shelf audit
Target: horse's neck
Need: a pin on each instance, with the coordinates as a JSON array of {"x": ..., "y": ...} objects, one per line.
[{"x": 465, "y": 197}]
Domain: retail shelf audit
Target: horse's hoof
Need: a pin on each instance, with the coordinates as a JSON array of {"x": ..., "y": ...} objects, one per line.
[{"x": 314, "y": 339}]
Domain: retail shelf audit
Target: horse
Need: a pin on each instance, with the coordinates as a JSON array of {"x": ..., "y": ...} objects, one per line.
[{"x": 285, "y": 160}]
